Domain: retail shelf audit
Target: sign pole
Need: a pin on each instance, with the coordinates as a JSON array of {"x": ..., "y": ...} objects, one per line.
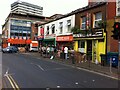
[
  {"x": 118, "y": 62},
  {"x": 110, "y": 65},
  {"x": 118, "y": 58}
]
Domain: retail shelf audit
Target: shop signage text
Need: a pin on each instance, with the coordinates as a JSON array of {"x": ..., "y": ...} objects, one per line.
[{"x": 64, "y": 38}]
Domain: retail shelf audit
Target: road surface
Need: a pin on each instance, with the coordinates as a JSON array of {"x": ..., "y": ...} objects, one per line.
[{"x": 24, "y": 71}]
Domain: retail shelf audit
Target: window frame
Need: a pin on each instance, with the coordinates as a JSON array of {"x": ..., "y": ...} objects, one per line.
[
  {"x": 83, "y": 23},
  {"x": 97, "y": 20},
  {"x": 81, "y": 44},
  {"x": 61, "y": 27},
  {"x": 47, "y": 32},
  {"x": 69, "y": 25},
  {"x": 53, "y": 28}
]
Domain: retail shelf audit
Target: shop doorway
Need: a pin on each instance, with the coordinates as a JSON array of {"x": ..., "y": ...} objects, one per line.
[{"x": 89, "y": 50}]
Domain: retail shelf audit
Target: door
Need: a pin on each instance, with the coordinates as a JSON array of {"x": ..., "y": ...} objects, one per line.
[{"x": 89, "y": 50}]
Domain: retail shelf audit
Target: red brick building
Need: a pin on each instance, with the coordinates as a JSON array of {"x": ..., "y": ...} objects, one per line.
[{"x": 110, "y": 10}]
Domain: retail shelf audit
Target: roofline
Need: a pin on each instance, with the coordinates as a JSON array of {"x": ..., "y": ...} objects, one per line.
[
  {"x": 78, "y": 11},
  {"x": 9, "y": 16}
]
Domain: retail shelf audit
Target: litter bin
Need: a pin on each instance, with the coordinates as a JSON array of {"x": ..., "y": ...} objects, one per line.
[
  {"x": 114, "y": 57},
  {"x": 103, "y": 59}
]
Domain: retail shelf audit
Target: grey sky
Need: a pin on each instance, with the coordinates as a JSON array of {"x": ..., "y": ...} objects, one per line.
[{"x": 50, "y": 7}]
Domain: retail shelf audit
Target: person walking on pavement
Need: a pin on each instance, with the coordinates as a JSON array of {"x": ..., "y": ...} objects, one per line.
[
  {"x": 48, "y": 51},
  {"x": 66, "y": 52}
]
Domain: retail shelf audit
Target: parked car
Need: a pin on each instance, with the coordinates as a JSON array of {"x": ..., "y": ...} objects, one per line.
[
  {"x": 15, "y": 48},
  {"x": 10, "y": 49}
]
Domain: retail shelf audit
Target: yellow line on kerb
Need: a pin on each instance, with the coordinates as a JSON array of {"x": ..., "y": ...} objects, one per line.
[
  {"x": 10, "y": 82},
  {"x": 13, "y": 83}
]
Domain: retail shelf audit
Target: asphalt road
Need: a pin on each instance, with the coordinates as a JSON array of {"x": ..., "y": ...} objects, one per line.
[{"x": 29, "y": 72}]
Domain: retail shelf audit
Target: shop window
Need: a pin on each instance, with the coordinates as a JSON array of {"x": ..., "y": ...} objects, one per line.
[
  {"x": 69, "y": 25},
  {"x": 81, "y": 44},
  {"x": 61, "y": 27},
  {"x": 83, "y": 23},
  {"x": 97, "y": 18}
]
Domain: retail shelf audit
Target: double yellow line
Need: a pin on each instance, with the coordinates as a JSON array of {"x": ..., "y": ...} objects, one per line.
[{"x": 12, "y": 82}]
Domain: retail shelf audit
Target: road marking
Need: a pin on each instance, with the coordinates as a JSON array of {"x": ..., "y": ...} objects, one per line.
[
  {"x": 98, "y": 73},
  {"x": 16, "y": 85},
  {"x": 58, "y": 86},
  {"x": 40, "y": 67},
  {"x": 83, "y": 69},
  {"x": 11, "y": 80},
  {"x": 76, "y": 83},
  {"x": 56, "y": 69}
]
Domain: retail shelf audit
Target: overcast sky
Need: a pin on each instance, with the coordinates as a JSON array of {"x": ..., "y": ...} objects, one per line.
[{"x": 50, "y": 7}]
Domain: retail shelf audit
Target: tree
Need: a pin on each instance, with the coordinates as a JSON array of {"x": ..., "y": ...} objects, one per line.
[{"x": 75, "y": 30}]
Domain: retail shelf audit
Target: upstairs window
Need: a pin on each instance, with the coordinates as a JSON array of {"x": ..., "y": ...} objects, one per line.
[
  {"x": 61, "y": 27},
  {"x": 53, "y": 28},
  {"x": 69, "y": 25},
  {"x": 47, "y": 32},
  {"x": 83, "y": 24},
  {"x": 97, "y": 17}
]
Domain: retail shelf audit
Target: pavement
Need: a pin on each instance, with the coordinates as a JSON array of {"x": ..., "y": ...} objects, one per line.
[{"x": 112, "y": 72}]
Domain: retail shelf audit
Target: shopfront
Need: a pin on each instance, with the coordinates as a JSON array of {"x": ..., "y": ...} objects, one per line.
[
  {"x": 91, "y": 45},
  {"x": 20, "y": 32},
  {"x": 63, "y": 41},
  {"x": 50, "y": 40}
]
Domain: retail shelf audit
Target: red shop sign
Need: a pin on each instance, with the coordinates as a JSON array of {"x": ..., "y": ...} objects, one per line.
[{"x": 64, "y": 38}]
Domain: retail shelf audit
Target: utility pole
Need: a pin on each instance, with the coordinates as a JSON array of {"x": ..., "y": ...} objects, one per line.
[
  {"x": 118, "y": 57},
  {"x": 118, "y": 62}
]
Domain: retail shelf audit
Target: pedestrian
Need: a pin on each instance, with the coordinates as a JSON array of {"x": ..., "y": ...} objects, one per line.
[
  {"x": 43, "y": 50},
  {"x": 66, "y": 52},
  {"x": 72, "y": 57},
  {"x": 48, "y": 51}
]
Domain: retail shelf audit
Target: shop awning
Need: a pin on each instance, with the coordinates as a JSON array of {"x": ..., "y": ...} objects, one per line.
[
  {"x": 64, "y": 38},
  {"x": 49, "y": 39},
  {"x": 19, "y": 41}
]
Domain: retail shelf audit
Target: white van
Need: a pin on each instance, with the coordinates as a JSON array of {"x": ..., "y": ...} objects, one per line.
[{"x": 34, "y": 46}]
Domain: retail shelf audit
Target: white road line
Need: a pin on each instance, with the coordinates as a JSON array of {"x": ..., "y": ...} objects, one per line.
[
  {"x": 56, "y": 69},
  {"x": 40, "y": 67},
  {"x": 97, "y": 73},
  {"x": 58, "y": 86}
]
